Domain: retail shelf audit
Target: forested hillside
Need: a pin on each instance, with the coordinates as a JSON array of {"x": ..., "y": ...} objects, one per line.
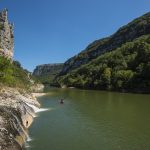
[
  {"x": 13, "y": 75},
  {"x": 119, "y": 62},
  {"x": 127, "y": 33}
]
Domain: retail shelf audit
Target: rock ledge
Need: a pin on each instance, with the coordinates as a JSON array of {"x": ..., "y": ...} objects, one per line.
[{"x": 16, "y": 115}]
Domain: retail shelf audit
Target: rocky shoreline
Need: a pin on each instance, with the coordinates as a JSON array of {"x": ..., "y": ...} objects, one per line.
[{"x": 17, "y": 110}]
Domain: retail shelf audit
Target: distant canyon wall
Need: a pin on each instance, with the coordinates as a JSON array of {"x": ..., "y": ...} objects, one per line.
[{"x": 46, "y": 73}]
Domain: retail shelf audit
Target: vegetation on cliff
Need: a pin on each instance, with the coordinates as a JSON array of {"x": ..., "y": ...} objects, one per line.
[
  {"x": 125, "y": 68},
  {"x": 12, "y": 74}
]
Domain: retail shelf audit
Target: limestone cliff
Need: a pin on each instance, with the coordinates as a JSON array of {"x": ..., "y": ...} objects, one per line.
[
  {"x": 16, "y": 115},
  {"x": 17, "y": 105},
  {"x": 6, "y": 35}
]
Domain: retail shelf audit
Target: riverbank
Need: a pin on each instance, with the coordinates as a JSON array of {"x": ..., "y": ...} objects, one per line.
[{"x": 17, "y": 110}]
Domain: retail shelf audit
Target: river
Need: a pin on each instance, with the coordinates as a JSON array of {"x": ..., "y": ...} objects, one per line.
[{"x": 91, "y": 120}]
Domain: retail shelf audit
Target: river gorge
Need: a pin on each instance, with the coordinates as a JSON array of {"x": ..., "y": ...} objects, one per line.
[{"x": 91, "y": 120}]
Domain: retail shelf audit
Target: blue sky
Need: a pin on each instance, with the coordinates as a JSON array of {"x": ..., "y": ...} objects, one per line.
[{"x": 51, "y": 31}]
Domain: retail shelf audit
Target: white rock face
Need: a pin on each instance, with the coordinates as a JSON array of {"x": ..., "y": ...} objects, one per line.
[
  {"x": 37, "y": 88},
  {"x": 16, "y": 115}
]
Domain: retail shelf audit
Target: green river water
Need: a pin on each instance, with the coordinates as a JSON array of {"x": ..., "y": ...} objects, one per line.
[{"x": 91, "y": 120}]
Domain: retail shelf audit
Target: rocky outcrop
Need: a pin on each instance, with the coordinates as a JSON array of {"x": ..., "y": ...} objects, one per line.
[
  {"x": 37, "y": 88},
  {"x": 6, "y": 35},
  {"x": 17, "y": 110},
  {"x": 133, "y": 30}
]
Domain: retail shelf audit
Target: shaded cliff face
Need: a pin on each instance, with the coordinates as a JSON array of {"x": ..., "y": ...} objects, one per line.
[
  {"x": 133, "y": 30},
  {"x": 47, "y": 72},
  {"x": 6, "y": 35}
]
